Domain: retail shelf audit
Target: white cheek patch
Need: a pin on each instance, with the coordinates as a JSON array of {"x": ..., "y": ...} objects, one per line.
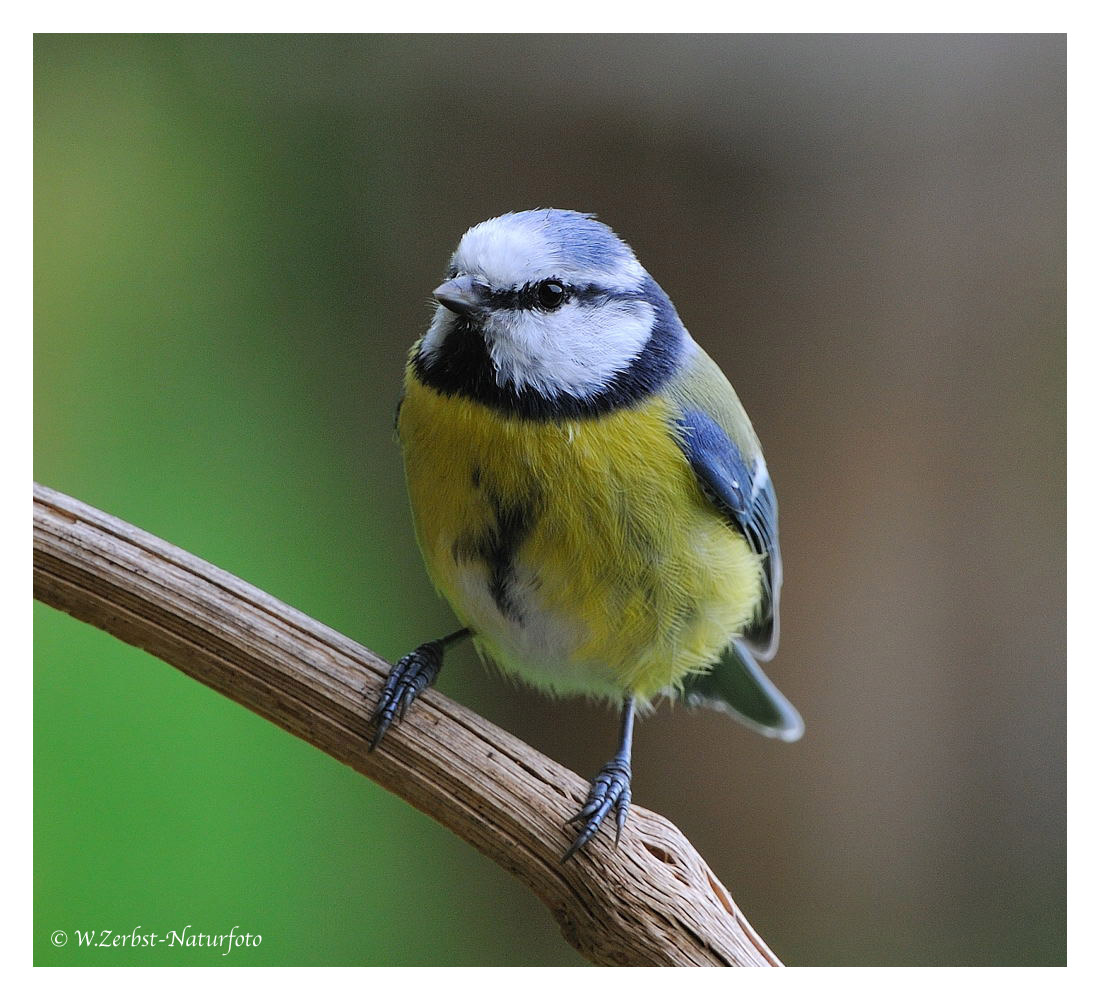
[{"x": 577, "y": 349}]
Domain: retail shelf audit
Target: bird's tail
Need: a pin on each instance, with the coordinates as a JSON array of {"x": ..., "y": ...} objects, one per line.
[{"x": 737, "y": 685}]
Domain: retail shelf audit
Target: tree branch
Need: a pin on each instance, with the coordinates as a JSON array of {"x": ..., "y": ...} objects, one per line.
[{"x": 654, "y": 901}]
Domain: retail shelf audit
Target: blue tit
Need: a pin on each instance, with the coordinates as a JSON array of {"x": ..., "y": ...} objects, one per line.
[{"x": 587, "y": 490}]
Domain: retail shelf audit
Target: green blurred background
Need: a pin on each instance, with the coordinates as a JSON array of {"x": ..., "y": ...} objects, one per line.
[{"x": 235, "y": 238}]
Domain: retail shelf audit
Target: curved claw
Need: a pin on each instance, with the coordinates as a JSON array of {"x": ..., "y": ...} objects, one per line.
[
  {"x": 610, "y": 790},
  {"x": 620, "y": 814},
  {"x": 408, "y": 678}
]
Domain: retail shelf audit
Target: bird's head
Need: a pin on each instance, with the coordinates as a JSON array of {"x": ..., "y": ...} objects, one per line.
[{"x": 547, "y": 313}]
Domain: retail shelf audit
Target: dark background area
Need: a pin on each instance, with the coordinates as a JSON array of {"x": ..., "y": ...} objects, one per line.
[{"x": 235, "y": 241}]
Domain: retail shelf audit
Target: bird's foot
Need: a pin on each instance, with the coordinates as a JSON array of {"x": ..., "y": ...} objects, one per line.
[
  {"x": 408, "y": 678},
  {"x": 610, "y": 790}
]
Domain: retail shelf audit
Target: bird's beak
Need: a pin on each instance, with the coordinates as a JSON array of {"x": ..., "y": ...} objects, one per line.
[{"x": 464, "y": 295}]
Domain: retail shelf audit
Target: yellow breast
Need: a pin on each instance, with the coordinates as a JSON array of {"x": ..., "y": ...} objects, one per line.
[{"x": 581, "y": 553}]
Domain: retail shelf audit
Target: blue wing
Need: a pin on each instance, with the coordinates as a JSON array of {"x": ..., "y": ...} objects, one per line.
[{"x": 744, "y": 494}]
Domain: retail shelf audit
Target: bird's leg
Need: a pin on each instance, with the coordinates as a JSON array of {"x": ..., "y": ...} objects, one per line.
[
  {"x": 408, "y": 677},
  {"x": 610, "y": 790}
]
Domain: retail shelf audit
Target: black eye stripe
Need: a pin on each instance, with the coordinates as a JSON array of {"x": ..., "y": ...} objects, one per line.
[{"x": 527, "y": 296}]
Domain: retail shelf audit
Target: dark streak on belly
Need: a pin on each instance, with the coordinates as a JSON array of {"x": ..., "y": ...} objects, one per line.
[{"x": 497, "y": 543}]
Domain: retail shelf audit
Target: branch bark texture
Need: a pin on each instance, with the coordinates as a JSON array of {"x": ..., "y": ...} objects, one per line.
[{"x": 654, "y": 901}]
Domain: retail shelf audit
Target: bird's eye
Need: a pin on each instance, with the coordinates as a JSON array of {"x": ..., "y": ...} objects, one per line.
[{"x": 551, "y": 293}]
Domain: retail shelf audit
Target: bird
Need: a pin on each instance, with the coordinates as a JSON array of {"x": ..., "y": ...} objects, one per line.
[{"x": 587, "y": 491}]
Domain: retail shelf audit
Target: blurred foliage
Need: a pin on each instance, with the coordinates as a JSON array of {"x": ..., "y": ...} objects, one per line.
[{"x": 234, "y": 241}]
